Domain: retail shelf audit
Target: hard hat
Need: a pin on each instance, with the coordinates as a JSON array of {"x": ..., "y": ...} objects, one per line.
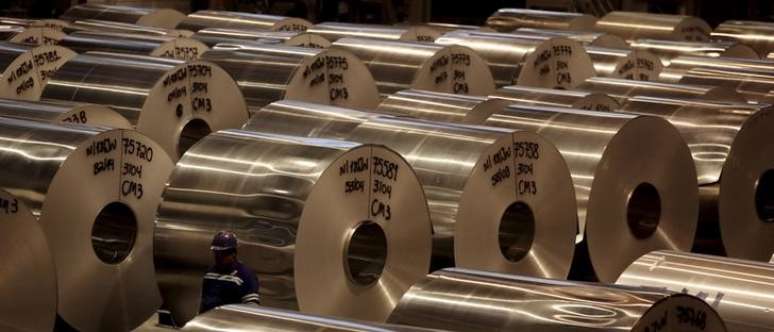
[{"x": 224, "y": 240}]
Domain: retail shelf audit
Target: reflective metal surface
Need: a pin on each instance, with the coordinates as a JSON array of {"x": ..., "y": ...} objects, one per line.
[
  {"x": 680, "y": 65},
  {"x": 711, "y": 130},
  {"x": 63, "y": 112},
  {"x": 443, "y": 107},
  {"x": 111, "y": 26},
  {"x": 297, "y": 205},
  {"x": 401, "y": 65},
  {"x": 266, "y": 73},
  {"x": 334, "y": 31},
  {"x": 154, "y": 17},
  {"x": 644, "y": 191},
  {"x": 756, "y": 34},
  {"x": 624, "y": 89},
  {"x": 467, "y": 300},
  {"x": 238, "y": 20},
  {"x": 527, "y": 59},
  {"x": 213, "y": 36},
  {"x": 593, "y": 101},
  {"x": 8, "y": 31},
  {"x": 121, "y": 42},
  {"x": 173, "y": 102},
  {"x": 509, "y": 19},
  {"x": 741, "y": 291},
  {"x": 750, "y": 78},
  {"x": 587, "y": 38},
  {"x": 37, "y": 36},
  {"x": 634, "y": 25},
  {"x": 254, "y": 318},
  {"x": 469, "y": 202},
  {"x": 45, "y": 167},
  {"x": 669, "y": 49},
  {"x": 29, "y": 281},
  {"x": 625, "y": 63},
  {"x": 24, "y": 69},
  {"x": 45, "y": 23}
]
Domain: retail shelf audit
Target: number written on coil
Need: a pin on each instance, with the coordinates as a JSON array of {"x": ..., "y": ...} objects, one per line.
[{"x": 9, "y": 206}]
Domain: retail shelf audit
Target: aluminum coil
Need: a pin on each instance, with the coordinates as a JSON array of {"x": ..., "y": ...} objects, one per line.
[
  {"x": 634, "y": 25},
  {"x": 100, "y": 235},
  {"x": 266, "y": 73},
  {"x": 669, "y": 49},
  {"x": 644, "y": 191},
  {"x": 213, "y": 36},
  {"x": 173, "y": 102},
  {"x": 29, "y": 281},
  {"x": 728, "y": 144},
  {"x": 254, "y": 318},
  {"x": 625, "y": 63},
  {"x": 499, "y": 200},
  {"x": 38, "y": 23},
  {"x": 587, "y": 38},
  {"x": 326, "y": 224},
  {"x": 467, "y": 300},
  {"x": 442, "y": 27},
  {"x": 400, "y": 65},
  {"x": 153, "y": 17},
  {"x": 527, "y": 60},
  {"x": 31, "y": 35},
  {"x": 509, "y": 19},
  {"x": 110, "y": 26},
  {"x": 24, "y": 70},
  {"x": 741, "y": 291},
  {"x": 334, "y": 31},
  {"x": 757, "y": 35},
  {"x": 622, "y": 90},
  {"x": 592, "y": 101},
  {"x": 750, "y": 78},
  {"x": 237, "y": 20},
  {"x": 121, "y": 42},
  {"x": 679, "y": 66},
  {"x": 63, "y": 112},
  {"x": 442, "y": 107}
]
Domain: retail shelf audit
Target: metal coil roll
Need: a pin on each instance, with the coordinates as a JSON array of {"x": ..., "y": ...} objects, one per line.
[
  {"x": 243, "y": 317},
  {"x": 727, "y": 141},
  {"x": 628, "y": 64},
  {"x": 756, "y": 34},
  {"x": 592, "y": 101},
  {"x": 334, "y": 31},
  {"x": 527, "y": 60},
  {"x": 681, "y": 65},
  {"x": 63, "y": 112},
  {"x": 119, "y": 27},
  {"x": 750, "y": 78},
  {"x": 466, "y": 300},
  {"x": 120, "y": 42},
  {"x": 324, "y": 223},
  {"x": 740, "y": 291},
  {"x": 668, "y": 49},
  {"x": 436, "y": 106},
  {"x": 24, "y": 70},
  {"x": 499, "y": 200},
  {"x": 213, "y": 36},
  {"x": 37, "y": 23},
  {"x": 622, "y": 90},
  {"x": 634, "y": 25},
  {"x": 31, "y": 35},
  {"x": 399, "y": 65},
  {"x": 153, "y": 17},
  {"x": 643, "y": 191},
  {"x": 509, "y": 19},
  {"x": 442, "y": 27},
  {"x": 587, "y": 38},
  {"x": 173, "y": 102},
  {"x": 267, "y": 73},
  {"x": 237, "y": 20},
  {"x": 29, "y": 288},
  {"x": 100, "y": 235}
]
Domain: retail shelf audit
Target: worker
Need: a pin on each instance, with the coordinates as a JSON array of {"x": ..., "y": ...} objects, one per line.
[{"x": 229, "y": 281}]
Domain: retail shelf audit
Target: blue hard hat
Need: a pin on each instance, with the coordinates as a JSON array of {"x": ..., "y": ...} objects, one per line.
[{"x": 224, "y": 240}]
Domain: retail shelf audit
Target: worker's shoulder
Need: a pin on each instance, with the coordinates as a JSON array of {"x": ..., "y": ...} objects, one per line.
[{"x": 243, "y": 270}]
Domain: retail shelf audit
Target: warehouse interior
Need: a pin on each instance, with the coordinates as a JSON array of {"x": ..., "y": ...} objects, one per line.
[{"x": 386, "y": 165}]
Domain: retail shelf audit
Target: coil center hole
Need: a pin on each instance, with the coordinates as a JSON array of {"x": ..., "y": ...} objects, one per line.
[
  {"x": 643, "y": 211},
  {"x": 113, "y": 233},
  {"x": 764, "y": 196},
  {"x": 517, "y": 231},
  {"x": 366, "y": 254},
  {"x": 193, "y": 131}
]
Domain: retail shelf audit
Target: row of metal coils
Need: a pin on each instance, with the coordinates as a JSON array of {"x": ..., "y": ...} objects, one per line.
[{"x": 351, "y": 162}]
